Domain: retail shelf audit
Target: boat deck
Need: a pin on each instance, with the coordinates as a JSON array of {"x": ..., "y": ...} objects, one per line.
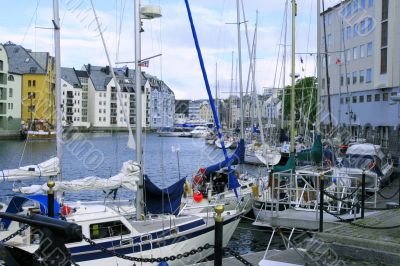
[{"x": 300, "y": 219}]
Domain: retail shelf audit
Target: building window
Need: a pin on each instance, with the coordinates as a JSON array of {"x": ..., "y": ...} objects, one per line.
[
  {"x": 341, "y": 80},
  {"x": 369, "y": 98},
  {"x": 384, "y": 61},
  {"x": 354, "y": 77},
  {"x": 348, "y": 32},
  {"x": 377, "y": 97},
  {"x": 29, "y": 83},
  {"x": 347, "y": 99},
  {"x": 99, "y": 119},
  {"x": 385, "y": 97},
  {"x": 355, "y": 30},
  {"x": 33, "y": 83},
  {"x": 385, "y": 9},
  {"x": 369, "y": 49},
  {"x": 370, "y": 3},
  {"x": 361, "y": 76},
  {"x": 354, "y": 99},
  {"x": 348, "y": 79},
  {"x": 355, "y": 53},
  {"x": 10, "y": 78},
  {"x": 31, "y": 95},
  {"x": 10, "y": 92},
  {"x": 369, "y": 75},
  {"x": 104, "y": 119},
  {"x": 348, "y": 54},
  {"x": 99, "y": 111},
  {"x": 349, "y": 10},
  {"x": 361, "y": 100},
  {"x": 1, "y": 65},
  {"x": 384, "y": 35},
  {"x": 355, "y": 6},
  {"x": 99, "y": 102},
  {"x": 341, "y": 100},
  {"x": 362, "y": 50},
  {"x": 370, "y": 24},
  {"x": 329, "y": 41},
  {"x": 362, "y": 26}
]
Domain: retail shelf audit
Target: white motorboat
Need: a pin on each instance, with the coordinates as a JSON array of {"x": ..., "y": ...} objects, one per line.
[
  {"x": 200, "y": 132},
  {"x": 366, "y": 157}
]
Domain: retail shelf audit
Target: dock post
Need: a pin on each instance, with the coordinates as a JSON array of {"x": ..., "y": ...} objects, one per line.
[
  {"x": 362, "y": 193},
  {"x": 50, "y": 198},
  {"x": 321, "y": 202},
  {"x": 219, "y": 224}
]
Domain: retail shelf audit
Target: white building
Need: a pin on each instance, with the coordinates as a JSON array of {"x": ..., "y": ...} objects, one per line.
[
  {"x": 105, "y": 109},
  {"x": 71, "y": 94},
  {"x": 162, "y": 103},
  {"x": 363, "y": 47}
]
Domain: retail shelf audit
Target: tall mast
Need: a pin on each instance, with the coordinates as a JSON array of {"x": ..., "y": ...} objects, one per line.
[
  {"x": 319, "y": 107},
  {"x": 138, "y": 98},
  {"x": 230, "y": 97},
  {"x": 56, "y": 24},
  {"x": 216, "y": 89},
  {"x": 240, "y": 70},
  {"x": 292, "y": 98},
  {"x": 284, "y": 66}
]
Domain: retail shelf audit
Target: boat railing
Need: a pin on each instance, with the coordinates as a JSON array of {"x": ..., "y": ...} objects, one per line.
[{"x": 301, "y": 191}]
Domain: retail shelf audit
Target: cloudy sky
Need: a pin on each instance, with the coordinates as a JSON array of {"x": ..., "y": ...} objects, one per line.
[{"x": 170, "y": 36}]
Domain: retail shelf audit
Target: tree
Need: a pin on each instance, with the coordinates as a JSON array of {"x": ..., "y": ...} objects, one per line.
[{"x": 305, "y": 95}]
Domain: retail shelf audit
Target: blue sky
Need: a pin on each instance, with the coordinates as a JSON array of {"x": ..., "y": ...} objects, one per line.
[{"x": 170, "y": 35}]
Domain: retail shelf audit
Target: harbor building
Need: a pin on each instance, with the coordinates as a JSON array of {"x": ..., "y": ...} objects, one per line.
[
  {"x": 104, "y": 106},
  {"x": 71, "y": 94},
  {"x": 363, "y": 64},
  {"x": 10, "y": 96},
  {"x": 38, "y": 82},
  {"x": 162, "y": 103}
]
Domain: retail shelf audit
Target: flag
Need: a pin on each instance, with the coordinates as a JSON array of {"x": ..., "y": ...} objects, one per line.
[
  {"x": 301, "y": 59},
  {"x": 338, "y": 61},
  {"x": 144, "y": 63}
]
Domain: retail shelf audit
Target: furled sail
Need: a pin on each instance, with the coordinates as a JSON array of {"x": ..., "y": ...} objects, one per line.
[
  {"x": 48, "y": 168},
  {"x": 127, "y": 178}
]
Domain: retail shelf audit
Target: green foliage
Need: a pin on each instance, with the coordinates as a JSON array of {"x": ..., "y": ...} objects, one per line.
[{"x": 305, "y": 94}]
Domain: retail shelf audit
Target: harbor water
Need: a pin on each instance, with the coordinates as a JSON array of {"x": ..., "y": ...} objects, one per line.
[{"x": 102, "y": 154}]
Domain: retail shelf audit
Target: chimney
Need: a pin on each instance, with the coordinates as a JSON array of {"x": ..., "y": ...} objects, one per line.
[
  {"x": 108, "y": 70},
  {"x": 89, "y": 68}
]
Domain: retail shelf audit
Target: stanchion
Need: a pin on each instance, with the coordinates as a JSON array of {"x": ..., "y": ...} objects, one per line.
[
  {"x": 50, "y": 198},
  {"x": 219, "y": 224},
  {"x": 363, "y": 194},
  {"x": 321, "y": 202}
]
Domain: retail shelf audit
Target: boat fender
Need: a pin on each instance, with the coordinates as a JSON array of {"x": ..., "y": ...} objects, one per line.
[
  {"x": 65, "y": 210},
  {"x": 163, "y": 263},
  {"x": 198, "y": 197}
]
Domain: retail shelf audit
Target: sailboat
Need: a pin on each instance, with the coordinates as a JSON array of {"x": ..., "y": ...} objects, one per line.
[{"x": 155, "y": 233}]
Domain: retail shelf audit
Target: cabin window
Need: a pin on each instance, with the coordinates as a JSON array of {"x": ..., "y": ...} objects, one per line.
[{"x": 108, "y": 229}]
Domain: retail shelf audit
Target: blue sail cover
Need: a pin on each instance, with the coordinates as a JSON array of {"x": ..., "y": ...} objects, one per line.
[
  {"x": 17, "y": 202},
  {"x": 166, "y": 200},
  {"x": 236, "y": 158}
]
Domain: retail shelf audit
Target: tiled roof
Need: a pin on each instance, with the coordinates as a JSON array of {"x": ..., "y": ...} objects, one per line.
[
  {"x": 21, "y": 61},
  {"x": 69, "y": 75}
]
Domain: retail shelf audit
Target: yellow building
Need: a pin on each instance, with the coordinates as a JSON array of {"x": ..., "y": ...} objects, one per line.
[{"x": 38, "y": 82}]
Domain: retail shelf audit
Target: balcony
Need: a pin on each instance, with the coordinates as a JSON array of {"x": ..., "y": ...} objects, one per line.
[
  {"x": 70, "y": 103},
  {"x": 3, "y": 109}
]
